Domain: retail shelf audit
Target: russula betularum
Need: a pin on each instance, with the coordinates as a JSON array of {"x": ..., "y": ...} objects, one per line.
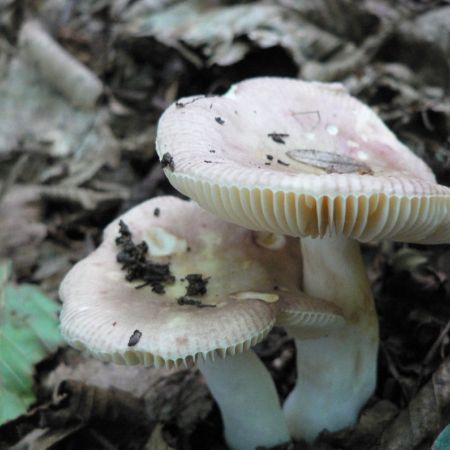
[
  {"x": 308, "y": 160},
  {"x": 182, "y": 287}
]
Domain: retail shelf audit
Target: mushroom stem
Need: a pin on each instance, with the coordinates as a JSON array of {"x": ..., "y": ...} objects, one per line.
[
  {"x": 247, "y": 398},
  {"x": 336, "y": 373}
]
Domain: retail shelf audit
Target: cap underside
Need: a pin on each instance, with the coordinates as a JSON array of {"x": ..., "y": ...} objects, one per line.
[
  {"x": 247, "y": 287},
  {"x": 303, "y": 159}
]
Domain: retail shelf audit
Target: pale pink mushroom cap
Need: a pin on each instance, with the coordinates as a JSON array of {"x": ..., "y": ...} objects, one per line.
[
  {"x": 252, "y": 281},
  {"x": 302, "y": 159}
]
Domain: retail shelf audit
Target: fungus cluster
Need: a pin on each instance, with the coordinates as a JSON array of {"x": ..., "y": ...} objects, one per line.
[
  {"x": 307, "y": 160},
  {"x": 174, "y": 283},
  {"x": 201, "y": 292}
]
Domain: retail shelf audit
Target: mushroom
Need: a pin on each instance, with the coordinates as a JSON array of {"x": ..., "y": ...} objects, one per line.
[
  {"x": 305, "y": 159},
  {"x": 182, "y": 287}
]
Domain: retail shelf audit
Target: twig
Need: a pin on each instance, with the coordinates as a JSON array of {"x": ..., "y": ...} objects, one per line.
[
  {"x": 74, "y": 80},
  {"x": 436, "y": 344},
  {"x": 13, "y": 175}
]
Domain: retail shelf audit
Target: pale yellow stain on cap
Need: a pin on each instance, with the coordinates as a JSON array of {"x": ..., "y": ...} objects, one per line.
[
  {"x": 254, "y": 295},
  {"x": 271, "y": 241}
]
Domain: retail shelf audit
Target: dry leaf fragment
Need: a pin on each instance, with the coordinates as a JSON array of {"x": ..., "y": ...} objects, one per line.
[
  {"x": 156, "y": 441},
  {"x": 87, "y": 198},
  {"x": 425, "y": 415},
  {"x": 330, "y": 162},
  {"x": 79, "y": 402},
  {"x": 180, "y": 398}
]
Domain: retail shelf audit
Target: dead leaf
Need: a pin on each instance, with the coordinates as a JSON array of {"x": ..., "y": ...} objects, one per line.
[
  {"x": 434, "y": 25},
  {"x": 86, "y": 198},
  {"x": 46, "y": 439},
  {"x": 60, "y": 131},
  {"x": 366, "y": 433},
  {"x": 75, "y": 401},
  {"x": 181, "y": 398},
  {"x": 137, "y": 380},
  {"x": 425, "y": 415},
  {"x": 21, "y": 227},
  {"x": 156, "y": 441},
  {"x": 176, "y": 397},
  {"x": 218, "y": 31}
]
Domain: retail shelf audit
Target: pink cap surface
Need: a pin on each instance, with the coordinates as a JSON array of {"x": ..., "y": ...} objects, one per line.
[
  {"x": 248, "y": 286},
  {"x": 303, "y": 159}
]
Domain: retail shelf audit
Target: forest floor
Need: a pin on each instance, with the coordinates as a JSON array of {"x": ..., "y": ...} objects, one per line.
[{"x": 71, "y": 160}]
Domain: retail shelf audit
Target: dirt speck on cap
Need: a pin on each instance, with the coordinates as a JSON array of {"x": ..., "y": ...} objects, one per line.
[
  {"x": 278, "y": 137},
  {"x": 167, "y": 161},
  {"x": 134, "y": 338},
  {"x": 182, "y": 105}
]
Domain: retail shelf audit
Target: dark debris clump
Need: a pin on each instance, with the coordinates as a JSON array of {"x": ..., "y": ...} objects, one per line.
[
  {"x": 134, "y": 262},
  {"x": 193, "y": 302},
  {"x": 134, "y": 338},
  {"x": 167, "y": 161},
  {"x": 197, "y": 284}
]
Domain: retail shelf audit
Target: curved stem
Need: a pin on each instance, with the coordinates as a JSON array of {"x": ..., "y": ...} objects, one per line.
[
  {"x": 336, "y": 373},
  {"x": 248, "y": 401}
]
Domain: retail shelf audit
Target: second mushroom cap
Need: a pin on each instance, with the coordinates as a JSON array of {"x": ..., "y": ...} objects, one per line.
[{"x": 169, "y": 288}]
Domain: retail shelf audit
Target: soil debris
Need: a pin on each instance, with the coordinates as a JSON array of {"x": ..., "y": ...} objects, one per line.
[
  {"x": 167, "y": 161},
  {"x": 134, "y": 338},
  {"x": 134, "y": 262},
  {"x": 278, "y": 137},
  {"x": 182, "y": 105},
  {"x": 193, "y": 302},
  {"x": 197, "y": 284}
]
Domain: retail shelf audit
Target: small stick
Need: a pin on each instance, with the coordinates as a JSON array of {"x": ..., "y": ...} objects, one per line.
[
  {"x": 436, "y": 344},
  {"x": 64, "y": 72}
]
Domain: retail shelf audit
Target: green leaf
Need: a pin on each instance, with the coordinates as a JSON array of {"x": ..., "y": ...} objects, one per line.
[
  {"x": 28, "y": 333},
  {"x": 443, "y": 440}
]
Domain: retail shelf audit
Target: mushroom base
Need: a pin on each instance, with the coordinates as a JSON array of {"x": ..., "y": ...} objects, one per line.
[
  {"x": 336, "y": 372},
  {"x": 336, "y": 377},
  {"x": 247, "y": 398}
]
